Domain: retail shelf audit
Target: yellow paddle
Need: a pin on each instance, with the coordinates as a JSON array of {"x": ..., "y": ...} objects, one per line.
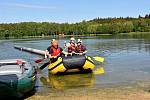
[
  {"x": 99, "y": 70},
  {"x": 100, "y": 59}
]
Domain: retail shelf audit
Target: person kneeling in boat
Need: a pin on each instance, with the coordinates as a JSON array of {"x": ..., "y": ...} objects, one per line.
[{"x": 80, "y": 48}]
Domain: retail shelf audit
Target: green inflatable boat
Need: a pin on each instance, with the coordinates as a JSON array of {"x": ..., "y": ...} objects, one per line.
[{"x": 17, "y": 77}]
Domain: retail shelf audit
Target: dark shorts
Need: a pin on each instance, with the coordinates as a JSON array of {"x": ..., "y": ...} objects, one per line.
[{"x": 52, "y": 60}]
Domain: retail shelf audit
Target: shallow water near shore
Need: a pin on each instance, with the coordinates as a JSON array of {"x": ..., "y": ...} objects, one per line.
[{"x": 127, "y": 63}]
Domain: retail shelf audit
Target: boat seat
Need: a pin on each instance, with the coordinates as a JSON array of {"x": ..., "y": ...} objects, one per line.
[{"x": 10, "y": 69}]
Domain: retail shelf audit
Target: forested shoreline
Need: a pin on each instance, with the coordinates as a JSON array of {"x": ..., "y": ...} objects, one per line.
[{"x": 96, "y": 26}]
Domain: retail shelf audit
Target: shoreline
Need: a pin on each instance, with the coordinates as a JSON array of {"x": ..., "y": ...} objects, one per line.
[
  {"x": 66, "y": 36},
  {"x": 139, "y": 91}
]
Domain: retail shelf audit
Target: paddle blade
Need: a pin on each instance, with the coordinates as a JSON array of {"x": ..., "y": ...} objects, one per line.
[
  {"x": 19, "y": 62},
  {"x": 39, "y": 60},
  {"x": 100, "y": 59},
  {"x": 99, "y": 71}
]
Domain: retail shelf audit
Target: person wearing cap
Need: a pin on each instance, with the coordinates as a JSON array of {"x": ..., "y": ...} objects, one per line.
[
  {"x": 72, "y": 39},
  {"x": 71, "y": 45},
  {"x": 80, "y": 48}
]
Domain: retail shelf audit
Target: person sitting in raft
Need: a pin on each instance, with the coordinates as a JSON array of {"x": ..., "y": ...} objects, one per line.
[
  {"x": 80, "y": 48},
  {"x": 71, "y": 46},
  {"x": 54, "y": 51}
]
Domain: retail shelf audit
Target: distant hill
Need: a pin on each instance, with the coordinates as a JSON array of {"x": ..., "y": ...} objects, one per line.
[{"x": 95, "y": 26}]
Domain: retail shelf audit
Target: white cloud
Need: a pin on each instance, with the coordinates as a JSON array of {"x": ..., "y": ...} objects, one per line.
[
  {"x": 34, "y": 6},
  {"x": 19, "y": 5}
]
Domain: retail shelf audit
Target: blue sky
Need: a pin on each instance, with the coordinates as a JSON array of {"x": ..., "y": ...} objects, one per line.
[{"x": 70, "y": 11}]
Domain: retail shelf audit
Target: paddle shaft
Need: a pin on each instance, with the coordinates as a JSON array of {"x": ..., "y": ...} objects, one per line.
[{"x": 44, "y": 65}]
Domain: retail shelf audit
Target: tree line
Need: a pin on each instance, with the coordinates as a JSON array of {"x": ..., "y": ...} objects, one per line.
[{"x": 92, "y": 27}]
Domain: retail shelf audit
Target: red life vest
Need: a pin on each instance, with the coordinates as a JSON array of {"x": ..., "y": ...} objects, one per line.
[
  {"x": 71, "y": 49},
  {"x": 55, "y": 51},
  {"x": 80, "y": 49}
]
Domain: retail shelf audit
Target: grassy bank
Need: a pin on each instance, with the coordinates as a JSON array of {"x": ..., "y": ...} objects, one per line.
[
  {"x": 119, "y": 35},
  {"x": 135, "y": 33}
]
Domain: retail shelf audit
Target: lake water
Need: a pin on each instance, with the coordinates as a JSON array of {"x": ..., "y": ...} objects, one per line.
[{"x": 127, "y": 61}]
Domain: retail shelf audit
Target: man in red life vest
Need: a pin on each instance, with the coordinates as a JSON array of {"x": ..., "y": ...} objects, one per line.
[
  {"x": 80, "y": 48},
  {"x": 54, "y": 51}
]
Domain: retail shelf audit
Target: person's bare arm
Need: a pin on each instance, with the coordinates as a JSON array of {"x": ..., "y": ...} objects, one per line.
[
  {"x": 84, "y": 52},
  {"x": 49, "y": 55}
]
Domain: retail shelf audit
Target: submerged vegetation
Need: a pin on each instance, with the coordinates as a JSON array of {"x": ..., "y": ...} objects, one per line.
[{"x": 93, "y": 27}]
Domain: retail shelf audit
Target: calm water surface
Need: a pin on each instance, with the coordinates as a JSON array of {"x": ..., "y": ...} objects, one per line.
[{"x": 126, "y": 61}]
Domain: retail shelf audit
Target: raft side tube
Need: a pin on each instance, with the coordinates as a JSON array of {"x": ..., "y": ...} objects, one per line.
[{"x": 72, "y": 64}]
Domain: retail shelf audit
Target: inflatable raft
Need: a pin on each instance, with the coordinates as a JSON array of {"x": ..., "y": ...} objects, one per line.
[
  {"x": 16, "y": 78},
  {"x": 72, "y": 64}
]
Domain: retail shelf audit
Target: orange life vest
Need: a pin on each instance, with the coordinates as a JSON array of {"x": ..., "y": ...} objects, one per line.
[{"x": 55, "y": 51}]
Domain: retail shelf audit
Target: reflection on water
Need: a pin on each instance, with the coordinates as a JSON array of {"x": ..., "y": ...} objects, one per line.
[{"x": 69, "y": 81}]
